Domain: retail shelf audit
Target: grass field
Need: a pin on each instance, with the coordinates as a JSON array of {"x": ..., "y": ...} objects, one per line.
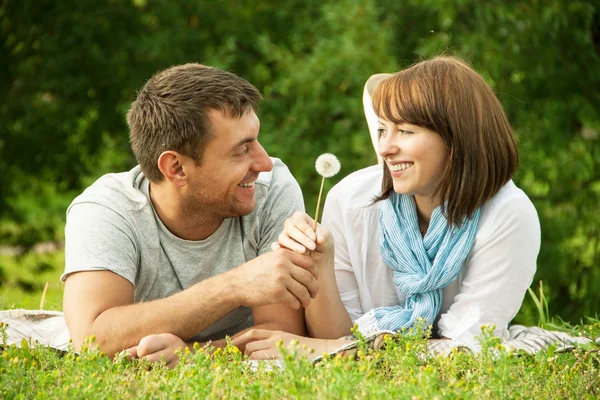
[{"x": 403, "y": 369}]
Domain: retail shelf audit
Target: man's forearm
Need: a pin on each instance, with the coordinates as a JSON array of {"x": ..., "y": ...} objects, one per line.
[{"x": 184, "y": 314}]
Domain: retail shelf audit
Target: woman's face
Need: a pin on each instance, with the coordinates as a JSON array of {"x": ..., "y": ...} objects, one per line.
[{"x": 415, "y": 156}]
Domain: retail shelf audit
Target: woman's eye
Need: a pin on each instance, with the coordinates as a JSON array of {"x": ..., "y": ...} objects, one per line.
[
  {"x": 404, "y": 132},
  {"x": 380, "y": 132}
]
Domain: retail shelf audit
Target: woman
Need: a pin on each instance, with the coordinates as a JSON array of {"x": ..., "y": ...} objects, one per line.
[{"x": 439, "y": 232}]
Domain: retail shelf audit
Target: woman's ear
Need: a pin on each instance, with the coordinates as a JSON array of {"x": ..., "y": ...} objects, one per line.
[{"x": 171, "y": 164}]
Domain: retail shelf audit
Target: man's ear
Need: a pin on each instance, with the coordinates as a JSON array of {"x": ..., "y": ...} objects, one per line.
[{"x": 171, "y": 164}]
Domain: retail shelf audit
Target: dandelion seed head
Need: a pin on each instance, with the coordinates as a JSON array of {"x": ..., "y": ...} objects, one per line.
[{"x": 327, "y": 165}]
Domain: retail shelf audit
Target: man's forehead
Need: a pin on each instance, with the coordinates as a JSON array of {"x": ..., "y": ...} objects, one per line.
[
  {"x": 227, "y": 113},
  {"x": 217, "y": 116},
  {"x": 233, "y": 131}
]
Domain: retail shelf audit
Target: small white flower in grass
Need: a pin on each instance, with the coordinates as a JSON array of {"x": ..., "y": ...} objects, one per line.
[{"x": 327, "y": 165}]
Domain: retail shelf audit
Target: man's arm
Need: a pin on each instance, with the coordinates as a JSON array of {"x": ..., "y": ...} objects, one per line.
[
  {"x": 275, "y": 317},
  {"x": 280, "y": 317},
  {"x": 99, "y": 303},
  {"x": 164, "y": 346}
]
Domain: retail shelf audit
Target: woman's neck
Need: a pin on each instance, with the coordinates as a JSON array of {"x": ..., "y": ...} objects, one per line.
[{"x": 425, "y": 207}]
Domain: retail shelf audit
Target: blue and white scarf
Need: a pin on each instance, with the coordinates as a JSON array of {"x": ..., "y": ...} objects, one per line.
[{"x": 422, "y": 266}]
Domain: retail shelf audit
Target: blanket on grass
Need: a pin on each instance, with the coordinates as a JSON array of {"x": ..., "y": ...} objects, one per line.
[
  {"x": 48, "y": 328},
  {"x": 526, "y": 339}
]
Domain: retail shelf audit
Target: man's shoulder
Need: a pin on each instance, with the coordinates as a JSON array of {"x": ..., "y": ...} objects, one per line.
[
  {"x": 279, "y": 175},
  {"x": 117, "y": 191},
  {"x": 278, "y": 195},
  {"x": 277, "y": 185}
]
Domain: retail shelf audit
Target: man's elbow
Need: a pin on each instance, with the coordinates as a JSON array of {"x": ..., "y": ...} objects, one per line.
[
  {"x": 88, "y": 336},
  {"x": 82, "y": 339},
  {"x": 93, "y": 342}
]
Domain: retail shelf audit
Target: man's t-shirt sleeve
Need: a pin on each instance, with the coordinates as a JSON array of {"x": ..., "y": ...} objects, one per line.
[
  {"x": 283, "y": 200},
  {"x": 99, "y": 239}
]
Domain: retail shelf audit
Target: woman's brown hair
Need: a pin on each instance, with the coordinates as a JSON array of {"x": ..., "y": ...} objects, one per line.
[{"x": 446, "y": 95}]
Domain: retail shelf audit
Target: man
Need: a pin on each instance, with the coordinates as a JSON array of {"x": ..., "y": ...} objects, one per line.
[{"x": 178, "y": 248}]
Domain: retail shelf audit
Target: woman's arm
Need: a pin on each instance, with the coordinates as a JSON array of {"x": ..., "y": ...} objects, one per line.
[
  {"x": 499, "y": 271},
  {"x": 341, "y": 301},
  {"x": 326, "y": 317}
]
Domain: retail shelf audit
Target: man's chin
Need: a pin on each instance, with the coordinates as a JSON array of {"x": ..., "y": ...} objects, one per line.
[{"x": 241, "y": 210}]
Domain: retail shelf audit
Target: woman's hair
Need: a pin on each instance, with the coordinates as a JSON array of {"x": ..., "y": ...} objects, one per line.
[{"x": 446, "y": 95}]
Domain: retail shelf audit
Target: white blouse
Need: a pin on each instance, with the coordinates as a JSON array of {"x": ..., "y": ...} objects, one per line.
[{"x": 490, "y": 286}]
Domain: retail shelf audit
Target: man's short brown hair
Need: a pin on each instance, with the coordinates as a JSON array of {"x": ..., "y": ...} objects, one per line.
[
  {"x": 171, "y": 111},
  {"x": 446, "y": 95}
]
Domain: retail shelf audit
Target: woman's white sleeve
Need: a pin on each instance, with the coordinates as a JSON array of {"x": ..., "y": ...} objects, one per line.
[
  {"x": 499, "y": 270},
  {"x": 344, "y": 273}
]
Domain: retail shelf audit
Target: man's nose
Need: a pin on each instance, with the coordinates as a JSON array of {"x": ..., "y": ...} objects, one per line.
[{"x": 262, "y": 161}]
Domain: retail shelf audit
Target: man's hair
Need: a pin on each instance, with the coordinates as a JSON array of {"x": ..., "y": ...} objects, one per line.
[
  {"x": 171, "y": 112},
  {"x": 446, "y": 95}
]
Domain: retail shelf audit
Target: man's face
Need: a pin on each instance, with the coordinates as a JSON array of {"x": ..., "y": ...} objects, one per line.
[{"x": 222, "y": 186}]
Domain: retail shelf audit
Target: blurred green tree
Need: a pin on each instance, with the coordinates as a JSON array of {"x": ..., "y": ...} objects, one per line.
[{"x": 71, "y": 68}]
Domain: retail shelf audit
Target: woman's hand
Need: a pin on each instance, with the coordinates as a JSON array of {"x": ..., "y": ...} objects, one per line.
[
  {"x": 298, "y": 235},
  {"x": 262, "y": 344}
]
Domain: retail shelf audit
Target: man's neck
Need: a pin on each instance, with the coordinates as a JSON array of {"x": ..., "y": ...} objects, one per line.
[{"x": 177, "y": 218}]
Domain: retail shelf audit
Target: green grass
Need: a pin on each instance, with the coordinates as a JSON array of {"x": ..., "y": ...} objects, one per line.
[{"x": 403, "y": 369}]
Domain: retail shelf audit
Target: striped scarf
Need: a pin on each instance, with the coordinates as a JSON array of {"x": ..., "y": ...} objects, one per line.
[{"x": 422, "y": 265}]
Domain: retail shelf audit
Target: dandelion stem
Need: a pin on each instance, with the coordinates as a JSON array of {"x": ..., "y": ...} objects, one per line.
[{"x": 318, "y": 205}]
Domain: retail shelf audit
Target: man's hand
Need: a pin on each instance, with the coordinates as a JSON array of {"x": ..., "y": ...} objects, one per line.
[
  {"x": 281, "y": 276},
  {"x": 298, "y": 235},
  {"x": 155, "y": 348}
]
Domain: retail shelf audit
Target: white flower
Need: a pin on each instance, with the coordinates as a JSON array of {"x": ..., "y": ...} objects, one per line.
[{"x": 327, "y": 165}]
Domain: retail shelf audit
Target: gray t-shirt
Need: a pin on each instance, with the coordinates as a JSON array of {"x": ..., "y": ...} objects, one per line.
[{"x": 112, "y": 226}]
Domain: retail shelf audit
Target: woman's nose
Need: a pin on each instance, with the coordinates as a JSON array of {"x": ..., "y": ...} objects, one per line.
[{"x": 386, "y": 147}]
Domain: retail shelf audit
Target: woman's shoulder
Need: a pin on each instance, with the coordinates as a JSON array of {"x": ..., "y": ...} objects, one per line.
[
  {"x": 510, "y": 195},
  {"x": 510, "y": 205},
  {"x": 358, "y": 189}
]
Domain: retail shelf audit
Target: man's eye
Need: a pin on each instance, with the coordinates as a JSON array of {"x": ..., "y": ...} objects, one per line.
[{"x": 243, "y": 153}]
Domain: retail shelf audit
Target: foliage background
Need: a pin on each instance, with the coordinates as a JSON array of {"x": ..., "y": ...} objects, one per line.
[{"x": 69, "y": 70}]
